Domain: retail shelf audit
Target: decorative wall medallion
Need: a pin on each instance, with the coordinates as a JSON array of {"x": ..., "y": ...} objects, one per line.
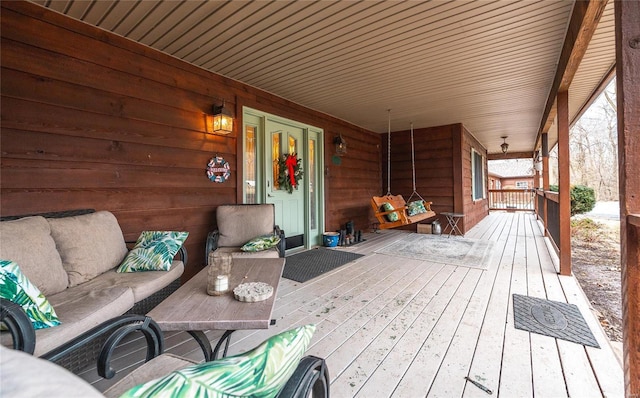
[{"x": 218, "y": 169}]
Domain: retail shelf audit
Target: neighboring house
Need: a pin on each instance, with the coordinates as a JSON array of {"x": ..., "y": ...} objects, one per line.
[{"x": 511, "y": 174}]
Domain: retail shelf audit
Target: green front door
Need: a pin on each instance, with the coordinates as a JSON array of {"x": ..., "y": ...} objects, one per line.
[
  {"x": 267, "y": 138},
  {"x": 281, "y": 140}
]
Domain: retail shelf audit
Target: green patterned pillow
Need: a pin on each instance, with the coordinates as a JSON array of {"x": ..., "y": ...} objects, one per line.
[
  {"x": 154, "y": 251},
  {"x": 15, "y": 286},
  {"x": 261, "y": 243},
  {"x": 261, "y": 372},
  {"x": 386, "y": 206},
  {"x": 416, "y": 207}
]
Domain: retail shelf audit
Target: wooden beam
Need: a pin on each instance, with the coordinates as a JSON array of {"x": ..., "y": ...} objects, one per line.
[
  {"x": 545, "y": 180},
  {"x": 458, "y": 158},
  {"x": 510, "y": 155},
  {"x": 564, "y": 183},
  {"x": 584, "y": 20},
  {"x": 545, "y": 162},
  {"x": 627, "y": 15}
]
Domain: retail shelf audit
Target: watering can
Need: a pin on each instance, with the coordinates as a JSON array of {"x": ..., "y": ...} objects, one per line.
[{"x": 436, "y": 228}]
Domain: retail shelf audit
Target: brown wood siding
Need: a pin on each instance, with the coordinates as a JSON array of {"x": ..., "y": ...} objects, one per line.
[
  {"x": 474, "y": 210},
  {"x": 92, "y": 120},
  {"x": 434, "y": 166}
]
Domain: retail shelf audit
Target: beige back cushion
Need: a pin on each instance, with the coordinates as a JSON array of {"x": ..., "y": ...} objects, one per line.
[
  {"x": 25, "y": 375},
  {"x": 89, "y": 244},
  {"x": 238, "y": 224},
  {"x": 28, "y": 242}
]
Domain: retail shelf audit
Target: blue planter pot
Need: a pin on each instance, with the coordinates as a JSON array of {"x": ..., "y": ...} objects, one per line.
[{"x": 330, "y": 239}]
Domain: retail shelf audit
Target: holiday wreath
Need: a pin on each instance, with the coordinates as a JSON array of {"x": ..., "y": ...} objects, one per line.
[{"x": 290, "y": 172}]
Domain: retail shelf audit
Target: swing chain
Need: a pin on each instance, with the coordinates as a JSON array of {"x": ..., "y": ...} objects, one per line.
[
  {"x": 413, "y": 161},
  {"x": 413, "y": 169},
  {"x": 389, "y": 153}
]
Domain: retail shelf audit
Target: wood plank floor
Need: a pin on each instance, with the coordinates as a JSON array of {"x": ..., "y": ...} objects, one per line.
[{"x": 396, "y": 327}]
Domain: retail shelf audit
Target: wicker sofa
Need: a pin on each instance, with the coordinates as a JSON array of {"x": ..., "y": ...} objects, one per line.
[{"x": 72, "y": 258}]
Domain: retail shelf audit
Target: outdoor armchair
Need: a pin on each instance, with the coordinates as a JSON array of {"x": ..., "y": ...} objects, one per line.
[{"x": 239, "y": 224}]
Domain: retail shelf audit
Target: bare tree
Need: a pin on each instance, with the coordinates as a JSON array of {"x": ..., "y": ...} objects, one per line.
[
  {"x": 593, "y": 141},
  {"x": 593, "y": 144}
]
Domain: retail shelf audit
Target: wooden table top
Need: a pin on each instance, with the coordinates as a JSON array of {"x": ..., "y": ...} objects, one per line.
[
  {"x": 448, "y": 213},
  {"x": 191, "y": 308}
]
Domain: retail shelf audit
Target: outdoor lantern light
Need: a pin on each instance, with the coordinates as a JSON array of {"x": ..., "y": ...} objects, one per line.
[
  {"x": 341, "y": 145},
  {"x": 221, "y": 122},
  {"x": 504, "y": 145}
]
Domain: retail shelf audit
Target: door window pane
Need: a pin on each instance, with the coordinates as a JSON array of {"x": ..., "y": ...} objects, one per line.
[
  {"x": 250, "y": 165},
  {"x": 311, "y": 175},
  {"x": 293, "y": 145},
  {"x": 275, "y": 155}
]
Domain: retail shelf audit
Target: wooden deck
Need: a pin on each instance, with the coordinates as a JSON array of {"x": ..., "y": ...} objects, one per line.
[{"x": 391, "y": 326}]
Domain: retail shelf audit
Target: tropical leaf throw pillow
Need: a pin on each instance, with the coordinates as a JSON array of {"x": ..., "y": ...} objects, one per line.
[
  {"x": 386, "y": 206},
  {"x": 154, "y": 251},
  {"x": 15, "y": 286},
  {"x": 416, "y": 207},
  {"x": 260, "y": 243},
  {"x": 261, "y": 372}
]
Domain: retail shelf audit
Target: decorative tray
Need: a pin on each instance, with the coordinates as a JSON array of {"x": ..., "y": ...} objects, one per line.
[{"x": 253, "y": 291}]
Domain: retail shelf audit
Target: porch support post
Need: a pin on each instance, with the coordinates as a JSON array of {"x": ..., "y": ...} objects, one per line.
[
  {"x": 545, "y": 179},
  {"x": 564, "y": 195},
  {"x": 627, "y": 15},
  {"x": 545, "y": 161}
]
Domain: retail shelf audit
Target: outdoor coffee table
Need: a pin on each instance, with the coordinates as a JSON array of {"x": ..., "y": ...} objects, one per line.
[{"x": 191, "y": 309}]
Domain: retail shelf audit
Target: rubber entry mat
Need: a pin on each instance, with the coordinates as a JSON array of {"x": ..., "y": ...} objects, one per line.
[
  {"x": 552, "y": 318},
  {"x": 311, "y": 263}
]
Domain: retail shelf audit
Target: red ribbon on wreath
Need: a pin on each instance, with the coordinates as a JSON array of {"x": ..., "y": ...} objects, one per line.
[{"x": 291, "y": 162}]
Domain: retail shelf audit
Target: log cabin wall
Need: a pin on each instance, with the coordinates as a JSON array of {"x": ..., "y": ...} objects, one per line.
[
  {"x": 474, "y": 210},
  {"x": 93, "y": 120},
  {"x": 434, "y": 161},
  {"x": 443, "y": 170}
]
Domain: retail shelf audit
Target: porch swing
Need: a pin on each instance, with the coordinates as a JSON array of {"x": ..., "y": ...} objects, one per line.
[{"x": 392, "y": 210}]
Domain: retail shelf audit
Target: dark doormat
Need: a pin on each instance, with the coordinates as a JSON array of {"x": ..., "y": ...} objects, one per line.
[
  {"x": 307, "y": 265},
  {"x": 552, "y": 318}
]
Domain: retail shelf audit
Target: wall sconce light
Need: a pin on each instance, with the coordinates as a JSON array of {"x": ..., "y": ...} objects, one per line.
[
  {"x": 341, "y": 145},
  {"x": 504, "y": 145},
  {"x": 221, "y": 122}
]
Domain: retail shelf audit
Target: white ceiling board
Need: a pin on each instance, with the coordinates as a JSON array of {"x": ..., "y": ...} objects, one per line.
[{"x": 487, "y": 64}]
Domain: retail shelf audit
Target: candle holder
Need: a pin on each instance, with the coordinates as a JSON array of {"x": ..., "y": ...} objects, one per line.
[{"x": 219, "y": 273}]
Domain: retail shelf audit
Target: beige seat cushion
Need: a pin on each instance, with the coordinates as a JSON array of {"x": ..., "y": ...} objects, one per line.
[
  {"x": 79, "y": 310},
  {"x": 238, "y": 224},
  {"x": 143, "y": 284},
  {"x": 89, "y": 244},
  {"x": 236, "y": 252},
  {"x": 25, "y": 376},
  {"x": 28, "y": 242},
  {"x": 155, "y": 368}
]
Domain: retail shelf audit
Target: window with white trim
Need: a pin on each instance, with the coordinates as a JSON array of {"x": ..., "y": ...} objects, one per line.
[
  {"x": 477, "y": 175},
  {"x": 522, "y": 184}
]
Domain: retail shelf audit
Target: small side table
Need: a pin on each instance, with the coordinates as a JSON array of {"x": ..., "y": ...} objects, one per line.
[{"x": 452, "y": 223}]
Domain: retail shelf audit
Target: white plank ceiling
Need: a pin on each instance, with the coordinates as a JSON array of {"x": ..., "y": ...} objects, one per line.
[{"x": 487, "y": 64}]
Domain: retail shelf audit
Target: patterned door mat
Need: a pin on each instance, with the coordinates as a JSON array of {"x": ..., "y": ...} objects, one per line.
[{"x": 552, "y": 318}]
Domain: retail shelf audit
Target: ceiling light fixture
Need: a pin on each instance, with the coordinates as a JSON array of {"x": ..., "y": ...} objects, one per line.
[{"x": 504, "y": 145}]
